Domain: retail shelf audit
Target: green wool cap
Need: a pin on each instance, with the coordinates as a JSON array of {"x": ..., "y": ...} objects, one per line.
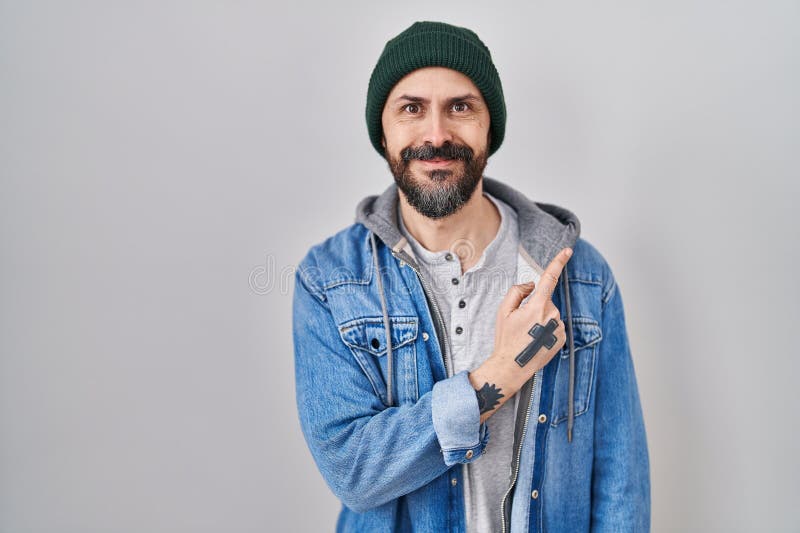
[{"x": 429, "y": 44}]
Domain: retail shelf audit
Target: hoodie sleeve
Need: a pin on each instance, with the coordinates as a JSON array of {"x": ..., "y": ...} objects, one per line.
[
  {"x": 621, "y": 471},
  {"x": 367, "y": 453}
]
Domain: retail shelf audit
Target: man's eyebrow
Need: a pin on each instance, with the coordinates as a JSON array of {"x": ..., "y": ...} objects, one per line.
[{"x": 421, "y": 100}]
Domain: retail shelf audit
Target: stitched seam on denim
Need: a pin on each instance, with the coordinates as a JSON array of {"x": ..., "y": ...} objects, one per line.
[
  {"x": 462, "y": 449},
  {"x": 375, "y": 388},
  {"x": 542, "y": 493},
  {"x": 609, "y": 292},
  {"x": 409, "y": 371},
  {"x": 586, "y": 281},
  {"x": 338, "y": 282},
  {"x": 352, "y": 281},
  {"x": 319, "y": 295},
  {"x": 582, "y": 322},
  {"x": 557, "y": 419},
  {"x": 350, "y": 324}
]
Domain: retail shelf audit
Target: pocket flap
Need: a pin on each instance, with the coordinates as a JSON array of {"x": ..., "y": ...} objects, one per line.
[
  {"x": 368, "y": 334},
  {"x": 586, "y": 331}
]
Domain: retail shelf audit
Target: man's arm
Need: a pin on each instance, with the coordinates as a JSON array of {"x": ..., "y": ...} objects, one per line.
[
  {"x": 367, "y": 453},
  {"x": 527, "y": 337},
  {"x": 621, "y": 471}
]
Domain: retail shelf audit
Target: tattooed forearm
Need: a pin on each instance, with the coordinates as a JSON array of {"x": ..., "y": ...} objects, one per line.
[
  {"x": 488, "y": 397},
  {"x": 542, "y": 336}
]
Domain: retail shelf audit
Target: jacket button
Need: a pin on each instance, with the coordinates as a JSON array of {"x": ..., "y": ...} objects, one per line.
[
  {"x": 448, "y": 256},
  {"x": 535, "y": 494},
  {"x": 402, "y": 264},
  {"x": 459, "y": 330},
  {"x": 462, "y": 304},
  {"x": 376, "y": 343},
  {"x": 454, "y": 482},
  {"x": 542, "y": 418},
  {"x": 424, "y": 335},
  {"x": 455, "y": 281},
  {"x": 469, "y": 454}
]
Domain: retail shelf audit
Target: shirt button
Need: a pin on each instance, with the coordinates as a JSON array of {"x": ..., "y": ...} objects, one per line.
[
  {"x": 448, "y": 256},
  {"x": 424, "y": 335},
  {"x": 462, "y": 304},
  {"x": 542, "y": 418},
  {"x": 455, "y": 281},
  {"x": 459, "y": 330},
  {"x": 535, "y": 494},
  {"x": 402, "y": 264},
  {"x": 454, "y": 482},
  {"x": 469, "y": 454}
]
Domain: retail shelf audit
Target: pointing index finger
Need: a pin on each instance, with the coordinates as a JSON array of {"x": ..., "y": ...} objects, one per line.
[{"x": 549, "y": 279}]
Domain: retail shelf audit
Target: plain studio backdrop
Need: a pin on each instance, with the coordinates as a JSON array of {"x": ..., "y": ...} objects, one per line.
[{"x": 165, "y": 165}]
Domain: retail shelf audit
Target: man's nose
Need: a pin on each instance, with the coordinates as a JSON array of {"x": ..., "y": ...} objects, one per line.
[{"x": 437, "y": 129}]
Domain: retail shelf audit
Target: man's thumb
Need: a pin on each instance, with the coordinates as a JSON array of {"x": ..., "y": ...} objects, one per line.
[{"x": 514, "y": 297}]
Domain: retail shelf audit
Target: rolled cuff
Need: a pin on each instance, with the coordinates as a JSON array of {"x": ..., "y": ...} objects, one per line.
[{"x": 456, "y": 420}]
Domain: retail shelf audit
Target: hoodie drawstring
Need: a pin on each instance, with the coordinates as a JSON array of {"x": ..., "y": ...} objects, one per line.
[
  {"x": 571, "y": 405},
  {"x": 386, "y": 327}
]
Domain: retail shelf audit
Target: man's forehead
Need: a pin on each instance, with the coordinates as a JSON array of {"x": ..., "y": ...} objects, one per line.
[{"x": 434, "y": 81}]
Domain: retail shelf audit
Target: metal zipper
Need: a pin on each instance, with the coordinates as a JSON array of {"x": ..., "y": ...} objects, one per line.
[
  {"x": 437, "y": 311},
  {"x": 519, "y": 453}
]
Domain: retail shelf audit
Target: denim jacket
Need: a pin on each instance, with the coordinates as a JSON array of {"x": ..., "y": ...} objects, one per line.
[{"x": 388, "y": 426}]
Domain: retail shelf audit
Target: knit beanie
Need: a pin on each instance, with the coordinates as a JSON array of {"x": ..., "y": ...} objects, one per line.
[{"x": 425, "y": 44}]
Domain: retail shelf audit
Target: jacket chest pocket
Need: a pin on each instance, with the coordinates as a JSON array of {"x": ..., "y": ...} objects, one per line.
[
  {"x": 366, "y": 338},
  {"x": 587, "y": 337}
]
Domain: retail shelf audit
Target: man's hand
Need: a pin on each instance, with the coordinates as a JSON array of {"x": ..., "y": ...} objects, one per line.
[{"x": 526, "y": 338}]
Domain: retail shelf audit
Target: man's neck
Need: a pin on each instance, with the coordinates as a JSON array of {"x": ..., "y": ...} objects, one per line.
[{"x": 466, "y": 233}]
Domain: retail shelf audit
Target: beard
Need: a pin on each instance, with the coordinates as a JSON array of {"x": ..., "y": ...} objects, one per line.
[{"x": 434, "y": 194}]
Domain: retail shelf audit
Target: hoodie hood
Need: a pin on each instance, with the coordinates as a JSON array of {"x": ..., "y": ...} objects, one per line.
[{"x": 544, "y": 229}]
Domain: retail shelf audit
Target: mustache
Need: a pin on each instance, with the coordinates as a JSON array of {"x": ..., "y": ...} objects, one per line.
[{"x": 446, "y": 151}]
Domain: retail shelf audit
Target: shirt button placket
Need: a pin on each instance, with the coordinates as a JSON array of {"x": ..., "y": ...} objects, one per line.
[{"x": 457, "y": 314}]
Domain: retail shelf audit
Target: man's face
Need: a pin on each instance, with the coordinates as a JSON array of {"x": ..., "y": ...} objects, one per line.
[{"x": 436, "y": 135}]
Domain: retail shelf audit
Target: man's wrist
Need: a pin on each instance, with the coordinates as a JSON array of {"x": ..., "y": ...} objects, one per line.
[
  {"x": 495, "y": 381},
  {"x": 501, "y": 371}
]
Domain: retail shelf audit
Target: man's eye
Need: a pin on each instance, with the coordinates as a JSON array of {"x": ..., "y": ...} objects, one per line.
[
  {"x": 412, "y": 108},
  {"x": 461, "y": 106}
]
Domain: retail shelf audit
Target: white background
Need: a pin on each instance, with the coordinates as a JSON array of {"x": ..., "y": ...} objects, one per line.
[{"x": 165, "y": 165}]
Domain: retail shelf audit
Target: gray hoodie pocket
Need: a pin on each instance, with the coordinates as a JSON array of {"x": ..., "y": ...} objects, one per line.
[
  {"x": 366, "y": 338},
  {"x": 587, "y": 337}
]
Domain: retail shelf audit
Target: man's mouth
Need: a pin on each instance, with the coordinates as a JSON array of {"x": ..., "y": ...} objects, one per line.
[{"x": 437, "y": 162}]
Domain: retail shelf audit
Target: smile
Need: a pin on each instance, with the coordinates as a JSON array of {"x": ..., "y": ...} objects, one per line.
[{"x": 437, "y": 162}]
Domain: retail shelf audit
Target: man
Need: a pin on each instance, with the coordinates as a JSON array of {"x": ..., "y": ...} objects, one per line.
[{"x": 461, "y": 355}]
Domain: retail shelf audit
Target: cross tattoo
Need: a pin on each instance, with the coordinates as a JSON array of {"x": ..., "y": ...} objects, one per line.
[{"x": 542, "y": 336}]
